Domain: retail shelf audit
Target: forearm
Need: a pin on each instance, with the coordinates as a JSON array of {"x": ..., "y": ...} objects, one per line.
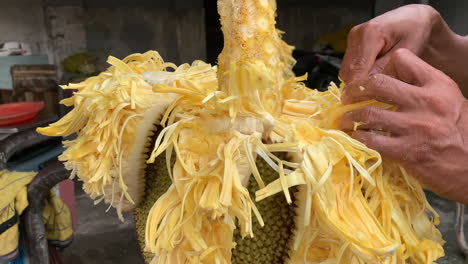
[
  {"x": 453, "y": 61},
  {"x": 448, "y": 52}
]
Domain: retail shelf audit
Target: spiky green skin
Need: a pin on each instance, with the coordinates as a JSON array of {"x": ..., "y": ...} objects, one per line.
[
  {"x": 271, "y": 243},
  {"x": 157, "y": 181}
]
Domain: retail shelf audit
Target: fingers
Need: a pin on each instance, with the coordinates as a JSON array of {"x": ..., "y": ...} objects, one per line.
[
  {"x": 373, "y": 118},
  {"x": 380, "y": 64},
  {"x": 365, "y": 43},
  {"x": 380, "y": 87},
  {"x": 389, "y": 147},
  {"x": 407, "y": 67}
]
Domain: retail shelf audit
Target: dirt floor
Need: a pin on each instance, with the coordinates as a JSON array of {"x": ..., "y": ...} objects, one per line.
[{"x": 101, "y": 237}]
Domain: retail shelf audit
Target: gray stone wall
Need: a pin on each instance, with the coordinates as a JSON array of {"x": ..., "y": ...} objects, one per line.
[
  {"x": 177, "y": 34},
  {"x": 66, "y": 32},
  {"x": 23, "y": 20}
]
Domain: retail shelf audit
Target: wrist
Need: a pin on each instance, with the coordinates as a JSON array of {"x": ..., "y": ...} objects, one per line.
[
  {"x": 446, "y": 51},
  {"x": 441, "y": 37}
]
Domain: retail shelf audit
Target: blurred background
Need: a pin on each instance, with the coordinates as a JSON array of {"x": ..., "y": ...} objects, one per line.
[{"x": 44, "y": 43}]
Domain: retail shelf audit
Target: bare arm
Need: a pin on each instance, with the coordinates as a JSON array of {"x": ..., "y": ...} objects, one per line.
[{"x": 448, "y": 52}]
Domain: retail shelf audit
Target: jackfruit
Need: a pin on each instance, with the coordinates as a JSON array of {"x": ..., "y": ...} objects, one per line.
[
  {"x": 157, "y": 182},
  {"x": 330, "y": 199},
  {"x": 271, "y": 243}
]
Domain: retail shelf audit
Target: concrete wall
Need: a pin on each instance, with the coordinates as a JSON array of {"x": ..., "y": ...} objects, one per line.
[
  {"x": 120, "y": 27},
  {"x": 106, "y": 27},
  {"x": 66, "y": 32},
  {"x": 54, "y": 31},
  {"x": 177, "y": 34},
  {"x": 23, "y": 20}
]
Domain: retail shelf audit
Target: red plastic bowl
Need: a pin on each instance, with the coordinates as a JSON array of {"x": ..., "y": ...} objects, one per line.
[{"x": 18, "y": 112}]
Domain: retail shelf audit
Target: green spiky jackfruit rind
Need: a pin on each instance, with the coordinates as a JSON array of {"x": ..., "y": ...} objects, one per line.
[
  {"x": 157, "y": 182},
  {"x": 271, "y": 243}
]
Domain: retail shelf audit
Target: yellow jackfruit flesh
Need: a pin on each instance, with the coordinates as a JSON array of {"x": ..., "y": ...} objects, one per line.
[{"x": 342, "y": 202}]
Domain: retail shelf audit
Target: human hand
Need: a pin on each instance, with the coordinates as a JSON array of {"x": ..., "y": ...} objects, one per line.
[
  {"x": 370, "y": 45},
  {"x": 427, "y": 134}
]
